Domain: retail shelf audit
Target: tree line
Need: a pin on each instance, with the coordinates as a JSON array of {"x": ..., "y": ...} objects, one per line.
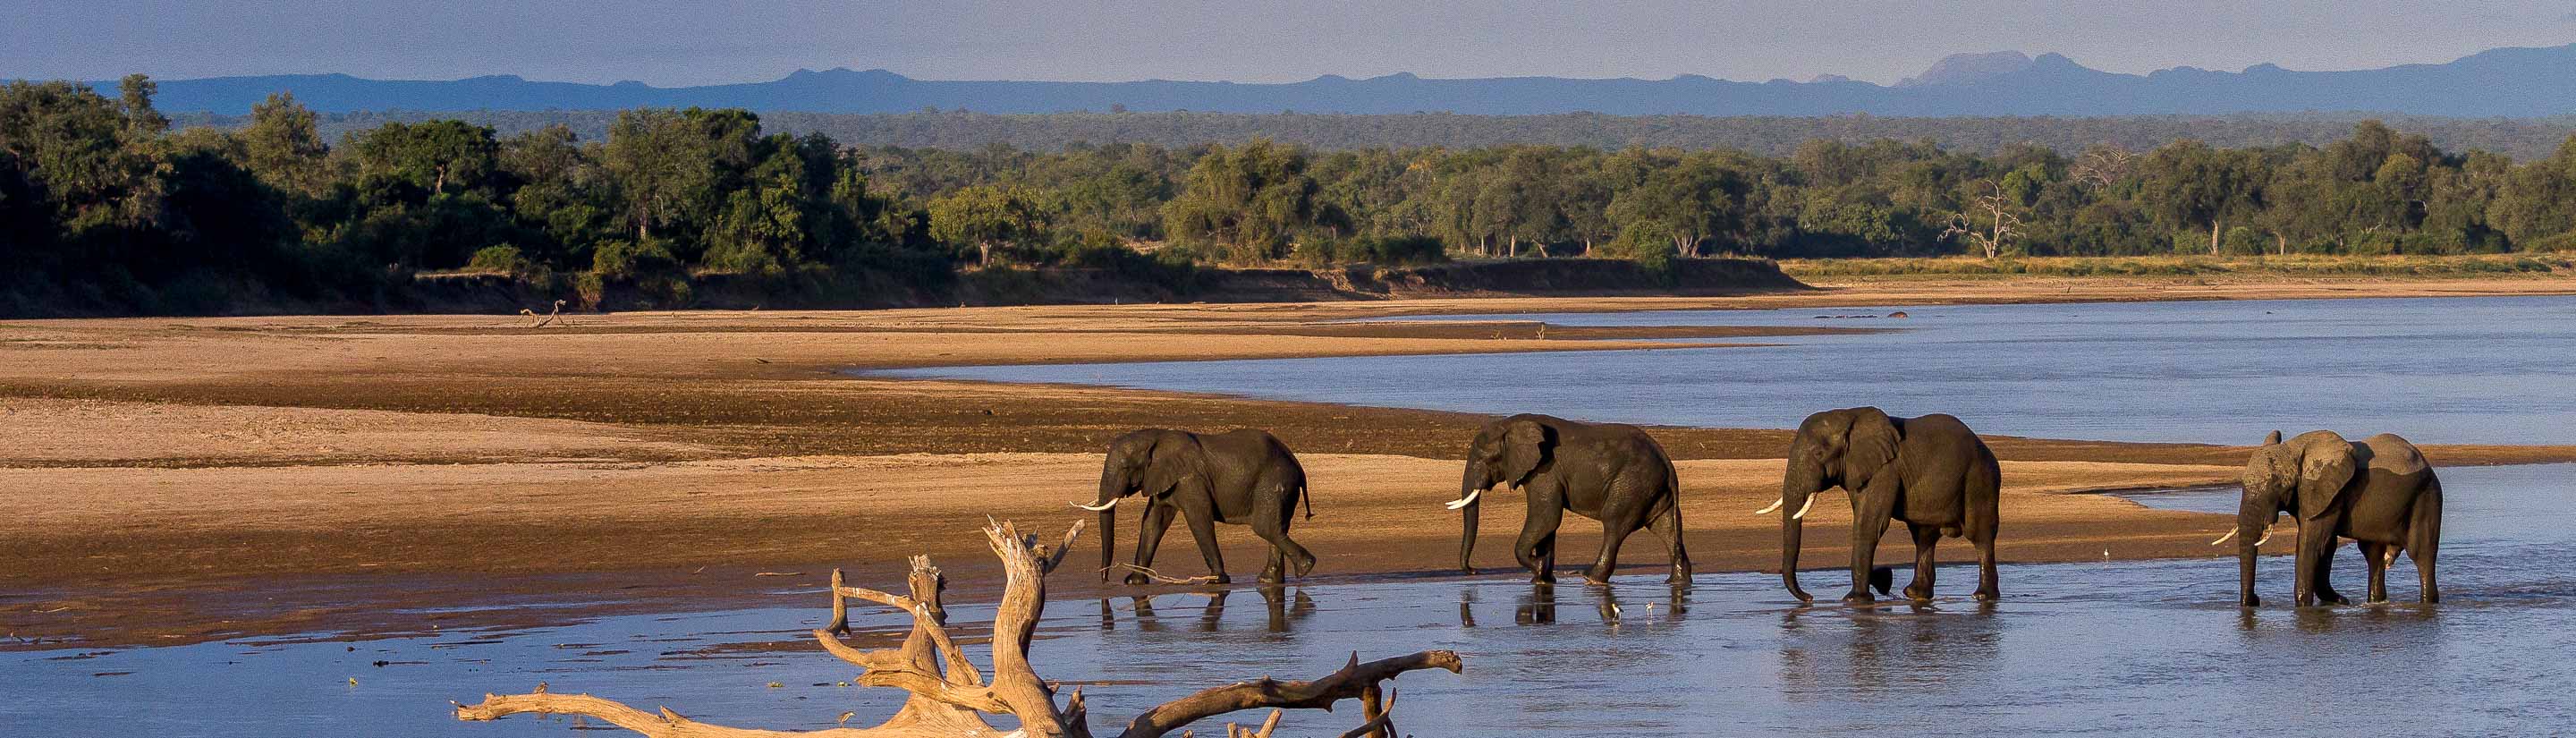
[
  {"x": 2521, "y": 138},
  {"x": 105, "y": 206}
]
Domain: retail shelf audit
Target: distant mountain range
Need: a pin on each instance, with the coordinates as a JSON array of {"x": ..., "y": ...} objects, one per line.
[{"x": 2518, "y": 82}]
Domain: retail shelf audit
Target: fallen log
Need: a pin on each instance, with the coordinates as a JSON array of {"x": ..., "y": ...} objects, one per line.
[{"x": 949, "y": 696}]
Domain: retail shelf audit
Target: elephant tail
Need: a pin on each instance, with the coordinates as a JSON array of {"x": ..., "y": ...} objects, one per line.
[{"x": 1308, "y": 497}]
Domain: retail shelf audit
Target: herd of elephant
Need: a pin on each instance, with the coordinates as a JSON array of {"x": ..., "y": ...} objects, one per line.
[{"x": 1931, "y": 473}]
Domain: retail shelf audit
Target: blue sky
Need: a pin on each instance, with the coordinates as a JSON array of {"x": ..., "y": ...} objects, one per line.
[{"x": 701, "y": 42}]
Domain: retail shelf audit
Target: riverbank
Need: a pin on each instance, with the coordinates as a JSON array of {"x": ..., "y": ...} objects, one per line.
[{"x": 174, "y": 480}]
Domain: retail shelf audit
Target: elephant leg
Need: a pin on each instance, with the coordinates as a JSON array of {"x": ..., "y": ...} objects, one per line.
[
  {"x": 2377, "y": 564},
  {"x": 1925, "y": 538},
  {"x": 1614, "y": 533},
  {"x": 1536, "y": 548},
  {"x": 1989, "y": 587},
  {"x": 1668, "y": 526},
  {"x": 1870, "y": 512},
  {"x": 2424, "y": 541},
  {"x": 1272, "y": 525},
  {"x": 2316, "y": 551},
  {"x": 1203, "y": 530},
  {"x": 1149, "y": 538},
  {"x": 2326, "y": 592}
]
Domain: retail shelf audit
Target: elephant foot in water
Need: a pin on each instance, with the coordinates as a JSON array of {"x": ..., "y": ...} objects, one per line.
[
  {"x": 2328, "y": 597},
  {"x": 1988, "y": 594}
]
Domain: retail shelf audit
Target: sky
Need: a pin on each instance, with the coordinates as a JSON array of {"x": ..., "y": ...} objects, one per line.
[{"x": 689, "y": 42}]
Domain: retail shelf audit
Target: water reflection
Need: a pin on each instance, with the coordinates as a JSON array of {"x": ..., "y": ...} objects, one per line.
[{"x": 1282, "y": 607}]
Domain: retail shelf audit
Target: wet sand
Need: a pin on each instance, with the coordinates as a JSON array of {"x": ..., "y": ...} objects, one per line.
[{"x": 174, "y": 480}]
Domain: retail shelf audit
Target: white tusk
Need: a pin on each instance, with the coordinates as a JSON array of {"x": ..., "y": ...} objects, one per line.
[
  {"x": 1097, "y": 508},
  {"x": 1463, "y": 502},
  {"x": 1802, "y": 509},
  {"x": 2223, "y": 539},
  {"x": 2267, "y": 535},
  {"x": 1775, "y": 505}
]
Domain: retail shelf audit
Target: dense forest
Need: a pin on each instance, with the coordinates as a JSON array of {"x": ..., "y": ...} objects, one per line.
[
  {"x": 105, "y": 207},
  {"x": 2520, "y": 138}
]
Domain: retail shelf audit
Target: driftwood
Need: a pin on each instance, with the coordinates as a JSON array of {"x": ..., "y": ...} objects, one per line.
[
  {"x": 548, "y": 318},
  {"x": 949, "y": 696},
  {"x": 1159, "y": 578}
]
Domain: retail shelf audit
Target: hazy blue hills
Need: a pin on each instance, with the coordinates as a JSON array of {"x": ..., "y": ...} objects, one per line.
[{"x": 2517, "y": 82}]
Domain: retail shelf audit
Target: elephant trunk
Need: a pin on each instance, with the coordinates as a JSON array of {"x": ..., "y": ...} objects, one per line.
[
  {"x": 2253, "y": 518},
  {"x": 1108, "y": 541},
  {"x": 1471, "y": 491},
  {"x": 1797, "y": 491},
  {"x": 1113, "y": 485}
]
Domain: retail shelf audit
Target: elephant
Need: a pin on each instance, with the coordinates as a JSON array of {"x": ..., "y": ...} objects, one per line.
[
  {"x": 1241, "y": 477},
  {"x": 1931, "y": 472},
  {"x": 2379, "y": 492},
  {"x": 1615, "y": 474}
]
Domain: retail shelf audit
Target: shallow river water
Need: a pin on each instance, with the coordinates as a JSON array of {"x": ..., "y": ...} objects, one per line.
[
  {"x": 2136, "y": 648},
  {"x": 2441, "y": 370},
  {"x": 2131, "y": 648}
]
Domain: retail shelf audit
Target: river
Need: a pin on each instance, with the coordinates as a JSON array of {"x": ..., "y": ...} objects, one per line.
[{"x": 2128, "y": 648}]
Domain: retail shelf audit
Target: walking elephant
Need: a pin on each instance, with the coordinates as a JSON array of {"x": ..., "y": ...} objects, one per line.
[
  {"x": 1931, "y": 472},
  {"x": 2379, "y": 492},
  {"x": 1615, "y": 474},
  {"x": 1240, "y": 477}
]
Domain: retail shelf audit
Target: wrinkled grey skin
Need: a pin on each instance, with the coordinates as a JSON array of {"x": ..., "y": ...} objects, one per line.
[
  {"x": 1244, "y": 477},
  {"x": 2379, "y": 492},
  {"x": 1930, "y": 472},
  {"x": 1615, "y": 474}
]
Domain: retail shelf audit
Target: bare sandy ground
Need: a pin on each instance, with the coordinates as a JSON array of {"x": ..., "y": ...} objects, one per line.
[{"x": 170, "y": 480}]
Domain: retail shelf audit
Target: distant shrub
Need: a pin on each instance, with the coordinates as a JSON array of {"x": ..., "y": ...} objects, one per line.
[
  {"x": 1383, "y": 251},
  {"x": 1648, "y": 244},
  {"x": 623, "y": 259},
  {"x": 503, "y": 258}
]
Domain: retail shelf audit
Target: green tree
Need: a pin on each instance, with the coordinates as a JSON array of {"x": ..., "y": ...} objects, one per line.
[
  {"x": 142, "y": 121},
  {"x": 673, "y": 168},
  {"x": 430, "y": 155},
  {"x": 1243, "y": 203},
  {"x": 2194, "y": 184},
  {"x": 983, "y": 217},
  {"x": 284, "y": 147}
]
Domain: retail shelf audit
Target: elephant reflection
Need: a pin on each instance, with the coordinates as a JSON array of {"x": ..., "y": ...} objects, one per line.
[{"x": 1283, "y": 608}]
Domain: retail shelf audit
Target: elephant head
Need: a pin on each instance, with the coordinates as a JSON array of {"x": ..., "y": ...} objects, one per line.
[
  {"x": 1845, "y": 448},
  {"x": 1147, "y": 462},
  {"x": 2303, "y": 477},
  {"x": 1506, "y": 452}
]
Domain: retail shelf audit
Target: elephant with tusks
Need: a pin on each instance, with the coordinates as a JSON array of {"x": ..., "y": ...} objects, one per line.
[{"x": 1244, "y": 477}]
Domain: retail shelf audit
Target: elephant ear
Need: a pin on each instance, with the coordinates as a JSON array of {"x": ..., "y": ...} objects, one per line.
[
  {"x": 1176, "y": 459},
  {"x": 2323, "y": 474},
  {"x": 1870, "y": 447},
  {"x": 1525, "y": 446},
  {"x": 2272, "y": 439}
]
